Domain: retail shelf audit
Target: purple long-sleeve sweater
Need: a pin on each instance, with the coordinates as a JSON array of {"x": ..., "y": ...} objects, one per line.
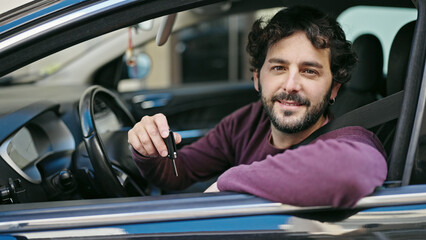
[{"x": 336, "y": 169}]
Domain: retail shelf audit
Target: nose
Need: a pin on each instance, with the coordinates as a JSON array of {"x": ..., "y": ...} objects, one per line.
[{"x": 291, "y": 82}]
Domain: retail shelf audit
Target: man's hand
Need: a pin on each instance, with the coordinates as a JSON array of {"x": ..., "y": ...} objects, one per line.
[
  {"x": 147, "y": 135},
  {"x": 212, "y": 188}
]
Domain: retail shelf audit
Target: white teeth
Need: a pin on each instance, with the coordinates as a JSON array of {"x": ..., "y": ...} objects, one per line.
[
  {"x": 285, "y": 103},
  {"x": 291, "y": 104}
]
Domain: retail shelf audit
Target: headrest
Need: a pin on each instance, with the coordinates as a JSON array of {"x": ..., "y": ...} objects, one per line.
[
  {"x": 369, "y": 69},
  {"x": 398, "y": 58}
]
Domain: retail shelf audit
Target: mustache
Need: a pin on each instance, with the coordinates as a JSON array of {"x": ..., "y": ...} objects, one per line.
[{"x": 284, "y": 96}]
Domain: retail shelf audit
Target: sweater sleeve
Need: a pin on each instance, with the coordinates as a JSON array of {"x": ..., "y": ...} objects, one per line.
[
  {"x": 200, "y": 161},
  {"x": 332, "y": 172}
]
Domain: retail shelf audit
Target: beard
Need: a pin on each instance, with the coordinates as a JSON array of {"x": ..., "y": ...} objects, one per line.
[{"x": 278, "y": 119}]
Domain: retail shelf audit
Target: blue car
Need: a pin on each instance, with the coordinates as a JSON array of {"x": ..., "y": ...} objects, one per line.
[{"x": 75, "y": 74}]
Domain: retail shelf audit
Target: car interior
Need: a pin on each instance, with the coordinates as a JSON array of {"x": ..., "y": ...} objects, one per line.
[{"x": 70, "y": 142}]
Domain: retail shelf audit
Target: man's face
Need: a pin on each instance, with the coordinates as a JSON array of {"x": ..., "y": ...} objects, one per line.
[{"x": 295, "y": 83}]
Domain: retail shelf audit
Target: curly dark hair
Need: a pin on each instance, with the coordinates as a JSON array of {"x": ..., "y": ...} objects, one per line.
[{"x": 322, "y": 30}]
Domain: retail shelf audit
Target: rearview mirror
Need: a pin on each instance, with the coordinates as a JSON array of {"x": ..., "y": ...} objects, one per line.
[{"x": 165, "y": 29}]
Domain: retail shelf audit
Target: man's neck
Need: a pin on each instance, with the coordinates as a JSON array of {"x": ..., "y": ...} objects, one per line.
[{"x": 285, "y": 140}]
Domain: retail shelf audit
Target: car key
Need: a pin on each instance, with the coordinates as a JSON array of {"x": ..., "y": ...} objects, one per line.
[{"x": 171, "y": 150}]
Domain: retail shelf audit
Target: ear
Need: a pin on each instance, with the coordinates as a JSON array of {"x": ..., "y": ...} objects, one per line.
[
  {"x": 335, "y": 89},
  {"x": 256, "y": 79}
]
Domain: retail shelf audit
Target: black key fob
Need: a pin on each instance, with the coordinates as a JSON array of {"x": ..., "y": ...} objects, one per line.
[{"x": 171, "y": 150}]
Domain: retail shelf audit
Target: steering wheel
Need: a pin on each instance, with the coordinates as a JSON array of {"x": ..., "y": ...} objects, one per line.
[{"x": 101, "y": 146}]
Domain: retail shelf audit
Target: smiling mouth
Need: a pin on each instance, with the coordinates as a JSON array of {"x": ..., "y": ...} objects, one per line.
[{"x": 290, "y": 103}]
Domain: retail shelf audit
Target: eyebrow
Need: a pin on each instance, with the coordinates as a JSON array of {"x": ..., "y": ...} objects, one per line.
[
  {"x": 306, "y": 63},
  {"x": 312, "y": 64},
  {"x": 278, "y": 60}
]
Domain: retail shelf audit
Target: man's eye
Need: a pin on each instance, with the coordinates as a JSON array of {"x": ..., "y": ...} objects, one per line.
[
  {"x": 310, "y": 72},
  {"x": 278, "y": 68}
]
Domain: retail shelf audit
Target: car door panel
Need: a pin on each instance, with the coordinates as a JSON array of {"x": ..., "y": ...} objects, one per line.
[{"x": 194, "y": 109}]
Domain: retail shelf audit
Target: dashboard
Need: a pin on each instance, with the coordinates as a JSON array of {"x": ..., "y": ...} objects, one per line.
[
  {"x": 35, "y": 148},
  {"x": 42, "y": 154},
  {"x": 43, "y": 136},
  {"x": 37, "y": 140}
]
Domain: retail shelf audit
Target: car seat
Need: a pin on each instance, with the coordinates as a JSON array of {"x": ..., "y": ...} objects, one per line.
[
  {"x": 398, "y": 58},
  {"x": 366, "y": 77},
  {"x": 397, "y": 71}
]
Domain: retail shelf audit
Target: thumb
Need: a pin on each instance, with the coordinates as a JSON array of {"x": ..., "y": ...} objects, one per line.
[{"x": 178, "y": 137}]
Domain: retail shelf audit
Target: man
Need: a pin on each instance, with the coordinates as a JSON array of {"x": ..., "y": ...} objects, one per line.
[{"x": 299, "y": 60}]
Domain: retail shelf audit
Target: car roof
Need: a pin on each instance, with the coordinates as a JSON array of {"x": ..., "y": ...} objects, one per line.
[{"x": 32, "y": 11}]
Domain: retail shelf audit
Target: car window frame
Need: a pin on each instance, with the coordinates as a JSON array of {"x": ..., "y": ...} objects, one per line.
[
  {"x": 78, "y": 214},
  {"x": 401, "y": 156},
  {"x": 13, "y": 214}
]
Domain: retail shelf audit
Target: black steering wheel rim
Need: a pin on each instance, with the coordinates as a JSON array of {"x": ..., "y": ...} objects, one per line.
[{"x": 101, "y": 163}]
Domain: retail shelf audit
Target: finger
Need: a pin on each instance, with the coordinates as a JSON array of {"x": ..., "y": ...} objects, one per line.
[
  {"x": 178, "y": 138},
  {"x": 153, "y": 132},
  {"x": 163, "y": 127},
  {"x": 147, "y": 144},
  {"x": 157, "y": 141},
  {"x": 142, "y": 132},
  {"x": 134, "y": 141},
  {"x": 162, "y": 124}
]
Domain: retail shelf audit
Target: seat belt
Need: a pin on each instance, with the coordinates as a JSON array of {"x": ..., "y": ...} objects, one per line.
[{"x": 367, "y": 116}]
